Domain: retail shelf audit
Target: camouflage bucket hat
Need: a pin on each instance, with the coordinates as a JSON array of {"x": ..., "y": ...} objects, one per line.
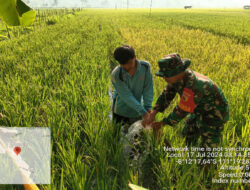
[{"x": 172, "y": 65}]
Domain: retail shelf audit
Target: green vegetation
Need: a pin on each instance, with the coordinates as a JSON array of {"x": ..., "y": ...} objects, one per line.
[
  {"x": 58, "y": 75},
  {"x": 16, "y": 12},
  {"x": 231, "y": 23},
  {"x": 43, "y": 17}
]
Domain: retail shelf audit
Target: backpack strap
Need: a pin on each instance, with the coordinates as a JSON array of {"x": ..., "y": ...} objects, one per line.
[
  {"x": 145, "y": 65},
  {"x": 120, "y": 74}
]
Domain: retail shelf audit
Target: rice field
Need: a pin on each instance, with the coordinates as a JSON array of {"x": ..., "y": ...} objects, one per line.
[{"x": 57, "y": 74}]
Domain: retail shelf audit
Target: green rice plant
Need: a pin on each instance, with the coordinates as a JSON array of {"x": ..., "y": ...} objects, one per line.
[{"x": 58, "y": 76}]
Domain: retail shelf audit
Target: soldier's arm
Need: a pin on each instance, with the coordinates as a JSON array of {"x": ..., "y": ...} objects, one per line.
[
  {"x": 175, "y": 117},
  {"x": 165, "y": 99},
  {"x": 162, "y": 102},
  {"x": 148, "y": 90},
  {"x": 185, "y": 106},
  {"x": 126, "y": 95}
]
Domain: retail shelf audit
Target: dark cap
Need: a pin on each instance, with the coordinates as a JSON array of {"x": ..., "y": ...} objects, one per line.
[{"x": 172, "y": 65}]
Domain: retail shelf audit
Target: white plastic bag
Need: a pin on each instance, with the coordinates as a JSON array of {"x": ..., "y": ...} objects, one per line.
[{"x": 132, "y": 141}]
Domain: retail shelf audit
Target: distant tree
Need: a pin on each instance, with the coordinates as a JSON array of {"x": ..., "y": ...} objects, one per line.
[
  {"x": 104, "y": 3},
  {"x": 84, "y": 3},
  {"x": 151, "y": 7},
  {"x": 45, "y": 4},
  {"x": 55, "y": 2}
]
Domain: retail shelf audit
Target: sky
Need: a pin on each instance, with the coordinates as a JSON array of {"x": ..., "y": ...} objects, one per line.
[{"x": 139, "y": 3}]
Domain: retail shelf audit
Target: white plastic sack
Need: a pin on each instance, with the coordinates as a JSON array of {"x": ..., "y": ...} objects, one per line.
[{"x": 132, "y": 141}]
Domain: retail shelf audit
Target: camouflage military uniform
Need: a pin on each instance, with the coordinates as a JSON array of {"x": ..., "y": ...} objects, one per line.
[{"x": 201, "y": 99}]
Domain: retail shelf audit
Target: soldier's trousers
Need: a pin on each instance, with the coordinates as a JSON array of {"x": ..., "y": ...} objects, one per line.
[{"x": 195, "y": 128}]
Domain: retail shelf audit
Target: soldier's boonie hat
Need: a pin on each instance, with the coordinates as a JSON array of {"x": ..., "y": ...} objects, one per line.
[{"x": 172, "y": 65}]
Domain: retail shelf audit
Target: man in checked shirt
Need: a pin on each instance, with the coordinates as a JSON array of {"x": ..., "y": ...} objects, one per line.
[{"x": 201, "y": 99}]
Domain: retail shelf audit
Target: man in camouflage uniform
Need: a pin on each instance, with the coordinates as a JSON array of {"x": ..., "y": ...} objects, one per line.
[{"x": 201, "y": 99}]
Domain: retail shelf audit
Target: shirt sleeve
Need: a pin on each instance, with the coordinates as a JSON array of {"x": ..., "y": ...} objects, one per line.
[
  {"x": 148, "y": 90},
  {"x": 165, "y": 99},
  {"x": 185, "y": 106},
  {"x": 175, "y": 117},
  {"x": 126, "y": 95}
]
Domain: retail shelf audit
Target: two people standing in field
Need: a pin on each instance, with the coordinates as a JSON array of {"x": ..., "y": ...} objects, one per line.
[{"x": 200, "y": 98}]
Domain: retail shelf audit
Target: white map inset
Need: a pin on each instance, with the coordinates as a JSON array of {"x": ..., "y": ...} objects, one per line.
[{"x": 32, "y": 164}]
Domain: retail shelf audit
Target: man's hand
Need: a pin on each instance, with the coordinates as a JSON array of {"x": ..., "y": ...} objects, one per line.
[
  {"x": 156, "y": 128},
  {"x": 145, "y": 118},
  {"x": 149, "y": 117},
  {"x": 157, "y": 125}
]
